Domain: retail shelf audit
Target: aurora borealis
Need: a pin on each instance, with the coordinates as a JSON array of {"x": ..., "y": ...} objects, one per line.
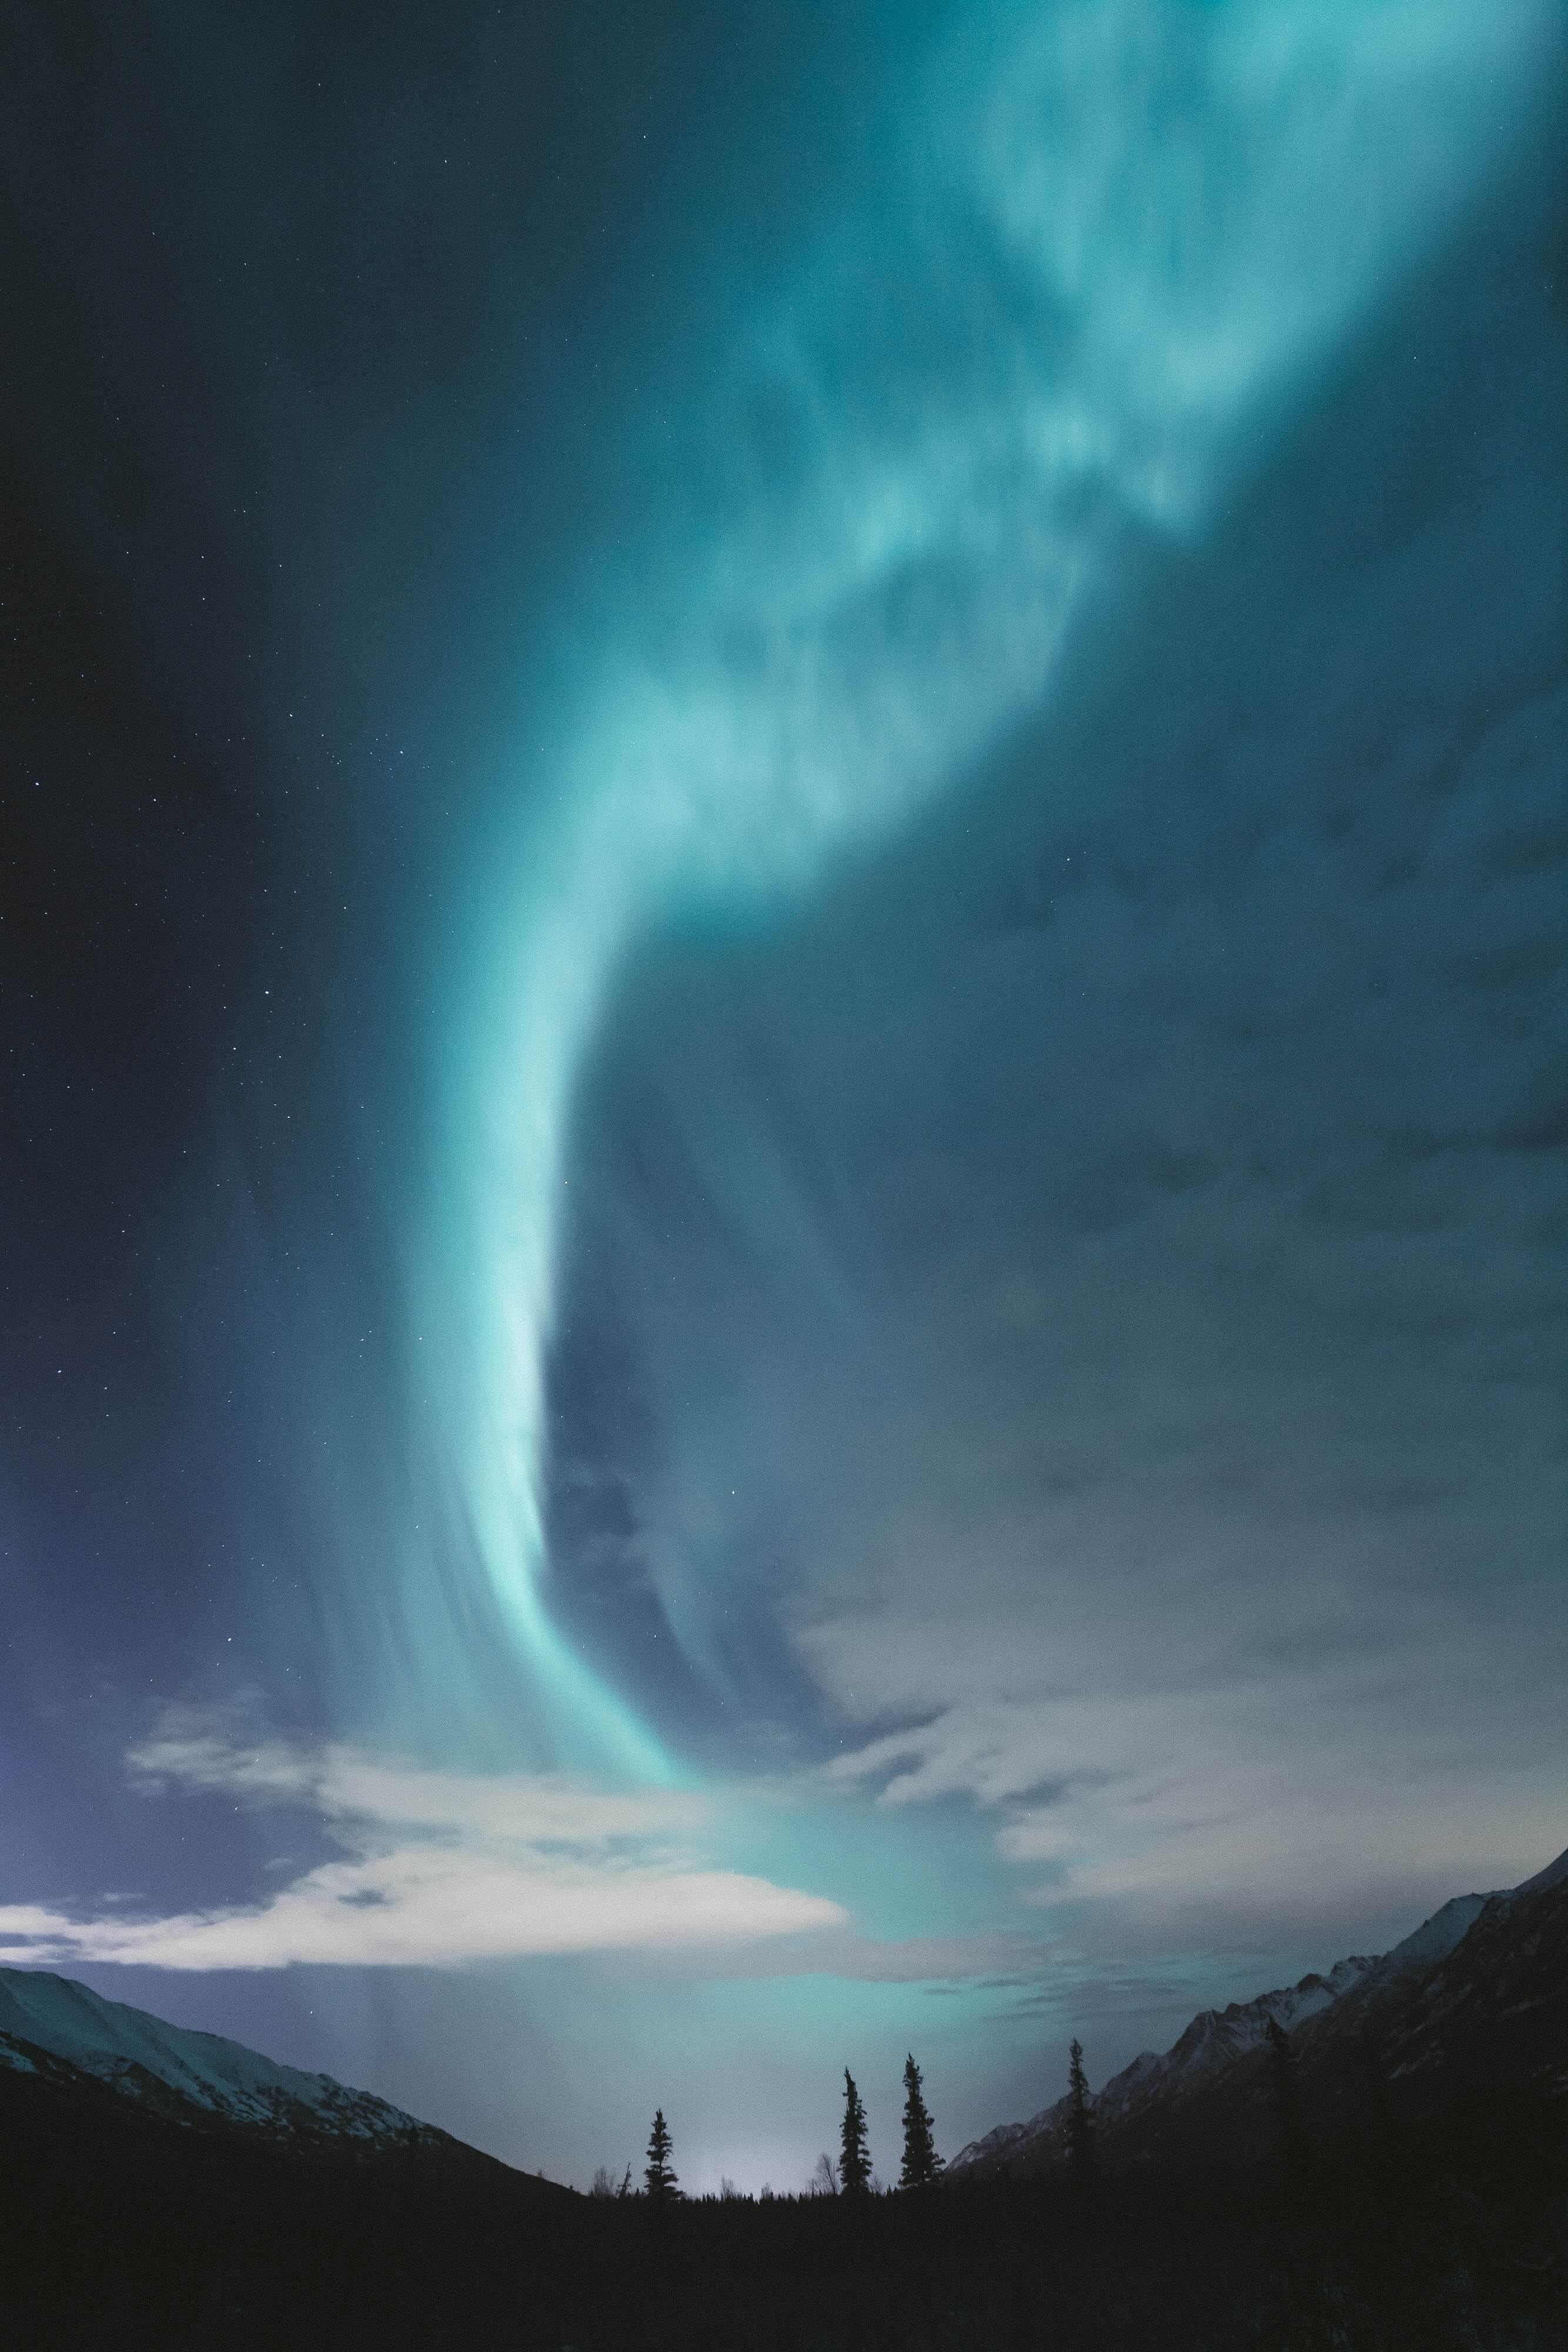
[{"x": 784, "y": 957}]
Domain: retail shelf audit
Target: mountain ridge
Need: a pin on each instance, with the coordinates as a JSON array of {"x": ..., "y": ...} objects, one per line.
[
  {"x": 1477, "y": 1993},
  {"x": 61, "y": 2030}
]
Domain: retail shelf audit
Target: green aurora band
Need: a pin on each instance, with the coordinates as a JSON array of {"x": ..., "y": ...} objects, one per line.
[{"x": 1118, "y": 245}]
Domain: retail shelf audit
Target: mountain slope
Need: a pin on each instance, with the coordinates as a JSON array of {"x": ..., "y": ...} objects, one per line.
[
  {"x": 1449, "y": 2014},
  {"x": 1209, "y": 2048},
  {"x": 54, "y": 2028},
  {"x": 1476, "y": 1998}
]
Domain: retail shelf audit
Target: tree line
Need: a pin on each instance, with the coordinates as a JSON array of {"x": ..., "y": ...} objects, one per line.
[
  {"x": 850, "y": 2177},
  {"x": 852, "y": 2174}
]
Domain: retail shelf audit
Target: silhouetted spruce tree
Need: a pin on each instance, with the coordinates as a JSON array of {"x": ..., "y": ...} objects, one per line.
[
  {"x": 1080, "y": 2122},
  {"x": 659, "y": 2176},
  {"x": 1287, "y": 2093},
  {"x": 921, "y": 2161},
  {"x": 855, "y": 2164}
]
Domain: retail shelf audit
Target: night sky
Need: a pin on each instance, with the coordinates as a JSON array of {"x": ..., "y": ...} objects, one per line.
[{"x": 784, "y": 967}]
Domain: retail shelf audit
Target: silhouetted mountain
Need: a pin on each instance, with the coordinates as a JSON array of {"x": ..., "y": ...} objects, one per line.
[{"x": 1474, "y": 2003}]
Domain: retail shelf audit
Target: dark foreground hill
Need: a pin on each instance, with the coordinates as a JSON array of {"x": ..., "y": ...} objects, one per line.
[{"x": 122, "y": 2231}]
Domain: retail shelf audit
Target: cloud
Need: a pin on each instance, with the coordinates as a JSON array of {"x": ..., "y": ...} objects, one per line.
[
  {"x": 437, "y": 1869},
  {"x": 1124, "y": 1355},
  {"x": 1171, "y": 1819}
]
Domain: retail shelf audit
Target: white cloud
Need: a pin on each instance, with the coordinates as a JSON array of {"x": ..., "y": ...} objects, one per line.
[
  {"x": 437, "y": 1869},
  {"x": 1218, "y": 1814}
]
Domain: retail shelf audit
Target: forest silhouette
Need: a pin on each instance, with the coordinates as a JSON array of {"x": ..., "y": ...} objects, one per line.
[{"x": 1402, "y": 2234}]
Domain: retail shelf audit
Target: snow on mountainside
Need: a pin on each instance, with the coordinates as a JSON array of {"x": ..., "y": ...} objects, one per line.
[
  {"x": 185, "y": 2075},
  {"x": 1436, "y": 1937},
  {"x": 1478, "y": 1991}
]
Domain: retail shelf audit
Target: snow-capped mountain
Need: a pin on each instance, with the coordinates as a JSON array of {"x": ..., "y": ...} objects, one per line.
[
  {"x": 1477, "y": 1993},
  {"x": 53, "y": 2026}
]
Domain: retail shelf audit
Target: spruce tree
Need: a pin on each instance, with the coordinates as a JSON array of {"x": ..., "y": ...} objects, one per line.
[
  {"x": 1080, "y": 2122},
  {"x": 921, "y": 2161},
  {"x": 855, "y": 2164},
  {"x": 659, "y": 2177}
]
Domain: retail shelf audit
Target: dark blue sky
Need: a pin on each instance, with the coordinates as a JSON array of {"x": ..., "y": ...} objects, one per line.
[{"x": 786, "y": 1041}]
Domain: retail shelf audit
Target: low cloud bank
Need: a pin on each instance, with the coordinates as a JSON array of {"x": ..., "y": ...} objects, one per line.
[{"x": 437, "y": 1869}]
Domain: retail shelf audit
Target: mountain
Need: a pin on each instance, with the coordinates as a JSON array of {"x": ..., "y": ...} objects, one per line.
[
  {"x": 165, "y": 2191},
  {"x": 1475, "y": 1999},
  {"x": 1209, "y": 2047},
  {"x": 62, "y": 2032}
]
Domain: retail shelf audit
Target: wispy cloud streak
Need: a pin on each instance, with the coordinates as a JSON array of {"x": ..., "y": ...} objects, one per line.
[{"x": 437, "y": 1869}]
